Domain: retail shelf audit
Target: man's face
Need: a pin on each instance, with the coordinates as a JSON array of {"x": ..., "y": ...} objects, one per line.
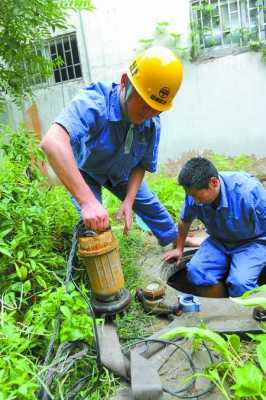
[
  {"x": 137, "y": 109},
  {"x": 208, "y": 195}
]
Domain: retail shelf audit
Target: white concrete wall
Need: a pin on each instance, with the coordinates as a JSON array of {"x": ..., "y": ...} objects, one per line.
[
  {"x": 220, "y": 105},
  {"x": 116, "y": 26}
]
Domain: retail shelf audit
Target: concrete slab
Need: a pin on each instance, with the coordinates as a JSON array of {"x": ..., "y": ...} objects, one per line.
[
  {"x": 145, "y": 380},
  {"x": 110, "y": 350}
]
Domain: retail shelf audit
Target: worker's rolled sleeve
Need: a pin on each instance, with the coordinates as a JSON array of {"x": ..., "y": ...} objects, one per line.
[
  {"x": 82, "y": 119},
  {"x": 98, "y": 133}
]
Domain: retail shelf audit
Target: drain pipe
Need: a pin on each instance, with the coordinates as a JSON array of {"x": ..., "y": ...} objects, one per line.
[{"x": 85, "y": 46}]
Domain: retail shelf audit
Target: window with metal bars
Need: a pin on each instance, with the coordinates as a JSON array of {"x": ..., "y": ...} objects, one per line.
[
  {"x": 227, "y": 23},
  {"x": 64, "y": 48}
]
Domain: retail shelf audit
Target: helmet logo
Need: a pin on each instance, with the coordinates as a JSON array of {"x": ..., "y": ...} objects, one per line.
[
  {"x": 164, "y": 92},
  {"x": 134, "y": 68},
  {"x": 156, "y": 98}
]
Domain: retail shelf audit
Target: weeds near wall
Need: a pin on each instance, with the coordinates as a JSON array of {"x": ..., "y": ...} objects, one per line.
[
  {"x": 202, "y": 36},
  {"x": 206, "y": 18},
  {"x": 164, "y": 36}
]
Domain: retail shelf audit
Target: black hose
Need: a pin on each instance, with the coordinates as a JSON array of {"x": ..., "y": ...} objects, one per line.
[
  {"x": 50, "y": 372},
  {"x": 177, "y": 393},
  {"x": 47, "y": 380}
]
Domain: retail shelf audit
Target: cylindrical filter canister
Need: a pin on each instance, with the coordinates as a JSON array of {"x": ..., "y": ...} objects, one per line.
[{"x": 101, "y": 257}]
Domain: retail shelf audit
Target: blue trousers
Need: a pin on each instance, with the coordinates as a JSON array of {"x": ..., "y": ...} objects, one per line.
[
  {"x": 240, "y": 266},
  {"x": 146, "y": 206}
]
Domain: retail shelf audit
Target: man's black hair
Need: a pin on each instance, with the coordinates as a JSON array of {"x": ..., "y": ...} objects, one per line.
[{"x": 196, "y": 173}]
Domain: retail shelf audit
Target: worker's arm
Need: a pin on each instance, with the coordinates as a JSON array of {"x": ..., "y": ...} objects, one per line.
[
  {"x": 126, "y": 207},
  {"x": 177, "y": 253},
  {"x": 56, "y": 144}
]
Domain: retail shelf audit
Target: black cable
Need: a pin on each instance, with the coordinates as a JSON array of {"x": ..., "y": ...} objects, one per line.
[
  {"x": 96, "y": 336},
  {"x": 47, "y": 380},
  {"x": 209, "y": 388},
  {"x": 43, "y": 395},
  {"x": 177, "y": 393}
]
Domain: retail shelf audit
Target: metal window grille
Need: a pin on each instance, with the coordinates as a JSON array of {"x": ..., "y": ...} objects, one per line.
[
  {"x": 228, "y": 23},
  {"x": 65, "y": 48}
]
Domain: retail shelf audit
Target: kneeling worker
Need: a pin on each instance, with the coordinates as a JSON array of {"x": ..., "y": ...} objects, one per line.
[{"x": 232, "y": 206}]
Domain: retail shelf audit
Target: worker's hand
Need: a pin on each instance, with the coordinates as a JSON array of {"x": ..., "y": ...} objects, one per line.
[
  {"x": 126, "y": 213},
  {"x": 95, "y": 216},
  {"x": 173, "y": 255}
]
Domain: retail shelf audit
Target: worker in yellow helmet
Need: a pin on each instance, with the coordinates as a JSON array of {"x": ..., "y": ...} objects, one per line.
[{"x": 108, "y": 137}]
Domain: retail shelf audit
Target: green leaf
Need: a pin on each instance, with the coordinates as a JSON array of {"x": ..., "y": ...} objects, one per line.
[
  {"x": 259, "y": 289},
  {"x": 33, "y": 253},
  {"x": 66, "y": 311},
  {"x": 33, "y": 264},
  {"x": 5, "y": 232},
  {"x": 219, "y": 343},
  {"x": 22, "y": 272},
  {"x": 27, "y": 286},
  {"x": 41, "y": 281},
  {"x": 5, "y": 251},
  {"x": 20, "y": 254},
  {"x": 248, "y": 380},
  {"x": 258, "y": 337},
  {"x": 261, "y": 354},
  {"x": 263, "y": 388},
  {"x": 255, "y": 302},
  {"x": 234, "y": 342}
]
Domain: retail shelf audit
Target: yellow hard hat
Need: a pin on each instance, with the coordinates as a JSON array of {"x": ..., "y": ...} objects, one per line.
[{"x": 156, "y": 75}]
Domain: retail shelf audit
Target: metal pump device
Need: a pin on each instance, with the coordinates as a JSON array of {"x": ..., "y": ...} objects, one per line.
[{"x": 100, "y": 255}]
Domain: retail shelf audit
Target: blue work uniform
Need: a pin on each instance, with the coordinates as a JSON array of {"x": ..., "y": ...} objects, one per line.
[
  {"x": 236, "y": 247},
  {"x": 107, "y": 149}
]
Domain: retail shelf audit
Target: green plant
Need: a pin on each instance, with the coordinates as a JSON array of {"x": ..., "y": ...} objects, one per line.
[
  {"x": 240, "y": 372},
  {"x": 206, "y": 17},
  {"x": 18, "y": 372},
  {"x": 242, "y": 162},
  {"x": 29, "y": 225},
  {"x": 25, "y": 25},
  {"x": 36, "y": 227},
  {"x": 169, "y": 193},
  {"x": 163, "y": 36},
  {"x": 75, "y": 322}
]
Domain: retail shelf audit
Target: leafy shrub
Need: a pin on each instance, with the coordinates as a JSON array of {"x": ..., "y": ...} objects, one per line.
[
  {"x": 241, "y": 162},
  {"x": 168, "y": 191},
  {"x": 33, "y": 217},
  {"x": 36, "y": 224}
]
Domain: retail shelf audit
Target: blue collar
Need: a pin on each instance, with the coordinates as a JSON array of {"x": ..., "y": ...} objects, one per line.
[
  {"x": 114, "y": 106},
  {"x": 223, "y": 199},
  {"x": 115, "y": 114}
]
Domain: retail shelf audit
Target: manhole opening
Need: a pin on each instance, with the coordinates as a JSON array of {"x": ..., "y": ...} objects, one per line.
[{"x": 180, "y": 282}]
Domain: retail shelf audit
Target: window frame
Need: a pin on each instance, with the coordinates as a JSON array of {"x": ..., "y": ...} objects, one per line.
[
  {"x": 244, "y": 25},
  {"x": 47, "y": 53}
]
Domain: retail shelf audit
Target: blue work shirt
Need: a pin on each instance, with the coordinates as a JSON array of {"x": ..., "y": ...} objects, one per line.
[
  {"x": 241, "y": 213},
  {"x": 98, "y": 132}
]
